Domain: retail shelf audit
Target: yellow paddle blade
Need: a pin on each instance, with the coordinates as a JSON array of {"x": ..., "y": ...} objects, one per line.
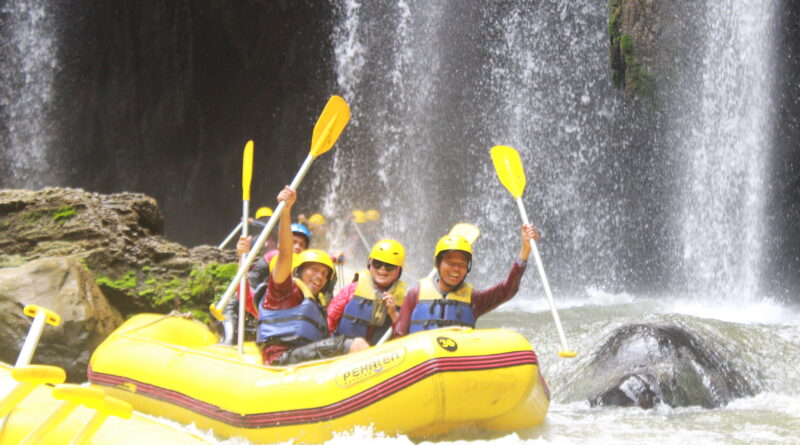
[
  {"x": 359, "y": 217},
  {"x": 329, "y": 126},
  {"x": 247, "y": 170},
  {"x": 469, "y": 231},
  {"x": 509, "y": 169},
  {"x": 373, "y": 215},
  {"x": 317, "y": 219}
]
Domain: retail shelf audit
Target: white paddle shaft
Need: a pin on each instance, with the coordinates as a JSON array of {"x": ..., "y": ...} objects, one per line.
[
  {"x": 32, "y": 340},
  {"x": 545, "y": 283},
  {"x": 243, "y": 282},
  {"x": 230, "y": 236},
  {"x": 262, "y": 238},
  {"x": 361, "y": 235}
]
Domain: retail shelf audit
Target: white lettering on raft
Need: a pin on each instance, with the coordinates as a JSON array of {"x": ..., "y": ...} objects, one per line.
[{"x": 358, "y": 372}]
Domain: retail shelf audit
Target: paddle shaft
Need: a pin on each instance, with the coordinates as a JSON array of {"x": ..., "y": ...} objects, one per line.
[
  {"x": 262, "y": 238},
  {"x": 243, "y": 282},
  {"x": 32, "y": 340},
  {"x": 230, "y": 236},
  {"x": 361, "y": 235},
  {"x": 543, "y": 276}
]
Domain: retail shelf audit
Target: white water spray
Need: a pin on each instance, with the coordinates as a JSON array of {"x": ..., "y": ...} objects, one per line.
[
  {"x": 27, "y": 71},
  {"x": 724, "y": 135}
]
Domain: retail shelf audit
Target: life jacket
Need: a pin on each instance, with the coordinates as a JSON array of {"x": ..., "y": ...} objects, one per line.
[
  {"x": 436, "y": 311},
  {"x": 357, "y": 316},
  {"x": 296, "y": 326}
]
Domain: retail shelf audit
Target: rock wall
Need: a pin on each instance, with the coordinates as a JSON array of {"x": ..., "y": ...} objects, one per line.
[{"x": 94, "y": 259}]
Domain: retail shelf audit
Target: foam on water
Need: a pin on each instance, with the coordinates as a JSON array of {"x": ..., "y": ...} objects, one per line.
[{"x": 763, "y": 311}]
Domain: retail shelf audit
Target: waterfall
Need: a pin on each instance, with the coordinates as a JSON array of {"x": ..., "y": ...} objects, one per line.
[
  {"x": 27, "y": 71},
  {"x": 435, "y": 85},
  {"x": 722, "y": 132}
]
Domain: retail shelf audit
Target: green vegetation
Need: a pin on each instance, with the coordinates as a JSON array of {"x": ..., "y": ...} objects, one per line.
[
  {"x": 165, "y": 292},
  {"x": 615, "y": 55},
  {"x": 32, "y": 217},
  {"x": 126, "y": 282},
  {"x": 626, "y": 70},
  {"x": 63, "y": 214},
  {"x": 637, "y": 78}
]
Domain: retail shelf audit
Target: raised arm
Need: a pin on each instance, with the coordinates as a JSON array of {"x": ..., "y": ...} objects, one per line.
[{"x": 283, "y": 265}]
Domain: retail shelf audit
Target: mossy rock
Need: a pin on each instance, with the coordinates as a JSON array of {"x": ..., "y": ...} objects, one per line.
[
  {"x": 154, "y": 289},
  {"x": 632, "y": 27}
]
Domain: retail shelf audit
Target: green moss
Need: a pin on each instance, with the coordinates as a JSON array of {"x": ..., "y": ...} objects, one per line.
[
  {"x": 63, "y": 214},
  {"x": 83, "y": 263},
  {"x": 615, "y": 55},
  {"x": 163, "y": 293},
  {"x": 637, "y": 78},
  {"x": 126, "y": 282},
  {"x": 626, "y": 45},
  {"x": 626, "y": 71},
  {"x": 32, "y": 217}
]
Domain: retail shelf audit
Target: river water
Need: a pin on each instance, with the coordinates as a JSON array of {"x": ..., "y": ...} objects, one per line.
[
  {"x": 650, "y": 212},
  {"x": 762, "y": 335}
]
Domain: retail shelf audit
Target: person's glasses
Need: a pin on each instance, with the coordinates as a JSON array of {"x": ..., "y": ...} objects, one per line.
[{"x": 378, "y": 264}]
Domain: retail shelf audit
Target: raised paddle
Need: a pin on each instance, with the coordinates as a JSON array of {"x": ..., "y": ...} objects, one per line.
[
  {"x": 360, "y": 217},
  {"x": 509, "y": 170},
  {"x": 329, "y": 126},
  {"x": 471, "y": 233},
  {"x": 230, "y": 236},
  {"x": 247, "y": 175}
]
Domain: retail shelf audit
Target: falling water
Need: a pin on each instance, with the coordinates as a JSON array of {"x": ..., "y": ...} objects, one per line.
[
  {"x": 27, "y": 70},
  {"x": 723, "y": 133},
  {"x": 435, "y": 85}
]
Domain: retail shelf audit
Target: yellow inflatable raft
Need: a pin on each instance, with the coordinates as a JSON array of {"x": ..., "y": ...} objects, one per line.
[
  {"x": 423, "y": 385},
  {"x": 30, "y": 413}
]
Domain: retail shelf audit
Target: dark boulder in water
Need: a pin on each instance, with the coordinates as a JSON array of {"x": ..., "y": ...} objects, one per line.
[{"x": 645, "y": 365}]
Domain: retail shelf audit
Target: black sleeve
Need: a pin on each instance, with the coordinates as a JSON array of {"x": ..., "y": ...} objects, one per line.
[{"x": 258, "y": 273}]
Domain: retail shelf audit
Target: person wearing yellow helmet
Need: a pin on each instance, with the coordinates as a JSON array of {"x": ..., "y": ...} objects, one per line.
[
  {"x": 368, "y": 306},
  {"x": 258, "y": 223},
  {"x": 291, "y": 316},
  {"x": 446, "y": 299}
]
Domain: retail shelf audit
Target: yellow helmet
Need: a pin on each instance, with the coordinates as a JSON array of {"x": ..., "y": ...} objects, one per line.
[
  {"x": 315, "y": 256},
  {"x": 372, "y": 215},
  {"x": 389, "y": 251},
  {"x": 317, "y": 219},
  {"x": 359, "y": 217},
  {"x": 263, "y": 211},
  {"x": 452, "y": 242},
  {"x": 274, "y": 260}
]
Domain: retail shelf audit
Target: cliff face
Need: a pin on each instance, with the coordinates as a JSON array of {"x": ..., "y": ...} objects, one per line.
[
  {"x": 157, "y": 96},
  {"x": 633, "y": 27},
  {"x": 92, "y": 259},
  {"x": 119, "y": 239}
]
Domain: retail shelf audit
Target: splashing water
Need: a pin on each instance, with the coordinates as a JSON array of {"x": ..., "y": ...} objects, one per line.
[{"x": 27, "y": 71}]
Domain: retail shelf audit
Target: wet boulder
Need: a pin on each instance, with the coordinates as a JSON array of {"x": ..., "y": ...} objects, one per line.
[
  {"x": 645, "y": 365},
  {"x": 66, "y": 287}
]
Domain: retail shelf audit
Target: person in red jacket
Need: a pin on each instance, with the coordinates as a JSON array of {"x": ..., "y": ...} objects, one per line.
[
  {"x": 369, "y": 305},
  {"x": 446, "y": 299},
  {"x": 292, "y": 324}
]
